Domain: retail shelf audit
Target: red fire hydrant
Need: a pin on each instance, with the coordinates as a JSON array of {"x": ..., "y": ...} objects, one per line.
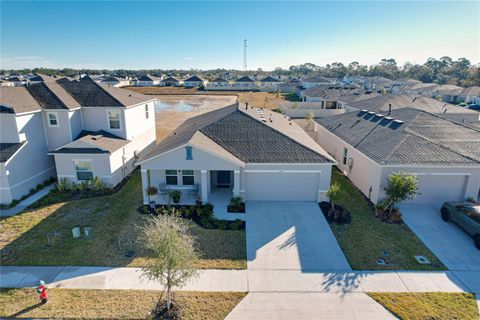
[{"x": 42, "y": 290}]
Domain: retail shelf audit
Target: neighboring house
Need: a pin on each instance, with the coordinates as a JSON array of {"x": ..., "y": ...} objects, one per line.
[
  {"x": 116, "y": 81},
  {"x": 41, "y": 78},
  {"x": 470, "y": 95},
  {"x": 268, "y": 84},
  {"x": 244, "y": 83},
  {"x": 300, "y": 110},
  {"x": 444, "y": 155},
  {"x": 169, "y": 82},
  {"x": 255, "y": 154},
  {"x": 218, "y": 84},
  {"x": 378, "y": 84},
  {"x": 420, "y": 89},
  {"x": 382, "y": 104},
  {"x": 6, "y": 83},
  {"x": 71, "y": 129},
  {"x": 316, "y": 81},
  {"x": 447, "y": 92},
  {"x": 193, "y": 82},
  {"x": 18, "y": 81},
  {"x": 147, "y": 81},
  {"x": 335, "y": 96},
  {"x": 290, "y": 86}
]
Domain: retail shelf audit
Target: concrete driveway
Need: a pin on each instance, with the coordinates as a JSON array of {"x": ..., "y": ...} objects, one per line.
[
  {"x": 291, "y": 235},
  {"x": 446, "y": 240}
]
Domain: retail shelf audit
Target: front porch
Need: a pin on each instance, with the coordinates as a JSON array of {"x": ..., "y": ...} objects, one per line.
[{"x": 216, "y": 187}]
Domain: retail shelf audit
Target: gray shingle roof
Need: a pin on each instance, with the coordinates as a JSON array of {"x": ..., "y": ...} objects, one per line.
[
  {"x": 17, "y": 100},
  {"x": 7, "y": 150},
  {"x": 194, "y": 79},
  {"x": 169, "y": 79},
  {"x": 246, "y": 138},
  {"x": 269, "y": 79},
  {"x": 218, "y": 80},
  {"x": 147, "y": 78},
  {"x": 244, "y": 79},
  {"x": 421, "y": 139},
  {"x": 101, "y": 141}
]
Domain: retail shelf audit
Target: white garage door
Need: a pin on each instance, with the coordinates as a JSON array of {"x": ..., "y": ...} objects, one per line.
[
  {"x": 435, "y": 189},
  {"x": 282, "y": 186}
]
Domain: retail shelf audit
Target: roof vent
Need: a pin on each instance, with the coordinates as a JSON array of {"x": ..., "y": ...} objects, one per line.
[
  {"x": 388, "y": 118},
  {"x": 364, "y": 110},
  {"x": 398, "y": 121},
  {"x": 371, "y": 112},
  {"x": 379, "y": 115},
  {"x": 97, "y": 137}
]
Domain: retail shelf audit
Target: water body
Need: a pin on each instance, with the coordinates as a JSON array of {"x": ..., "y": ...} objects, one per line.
[{"x": 192, "y": 103}]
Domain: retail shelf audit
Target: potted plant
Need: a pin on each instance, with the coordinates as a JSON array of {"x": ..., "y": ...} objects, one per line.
[
  {"x": 175, "y": 196},
  {"x": 151, "y": 191}
]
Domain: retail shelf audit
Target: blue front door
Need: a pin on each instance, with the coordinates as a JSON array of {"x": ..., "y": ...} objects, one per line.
[{"x": 223, "y": 179}]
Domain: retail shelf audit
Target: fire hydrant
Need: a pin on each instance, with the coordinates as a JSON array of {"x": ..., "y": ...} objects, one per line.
[{"x": 42, "y": 291}]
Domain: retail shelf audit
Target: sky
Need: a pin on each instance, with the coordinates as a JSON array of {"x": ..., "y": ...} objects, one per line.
[{"x": 208, "y": 35}]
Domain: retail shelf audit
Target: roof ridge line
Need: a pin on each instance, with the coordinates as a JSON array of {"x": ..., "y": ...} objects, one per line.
[
  {"x": 108, "y": 93},
  {"x": 53, "y": 93},
  {"x": 283, "y": 134},
  {"x": 445, "y": 118}
]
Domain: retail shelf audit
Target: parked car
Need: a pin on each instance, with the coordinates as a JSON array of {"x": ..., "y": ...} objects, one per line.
[
  {"x": 466, "y": 215},
  {"x": 474, "y": 107},
  {"x": 463, "y": 104}
]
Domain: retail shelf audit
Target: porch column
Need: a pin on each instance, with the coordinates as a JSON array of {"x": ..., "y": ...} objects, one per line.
[
  {"x": 204, "y": 186},
  {"x": 236, "y": 183},
  {"x": 144, "y": 185}
]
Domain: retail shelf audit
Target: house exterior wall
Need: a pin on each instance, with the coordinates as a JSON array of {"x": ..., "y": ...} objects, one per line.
[
  {"x": 96, "y": 118},
  {"x": 192, "y": 84},
  {"x": 60, "y": 135},
  {"x": 365, "y": 173},
  {"x": 8, "y": 128},
  {"x": 135, "y": 121},
  {"x": 30, "y": 165},
  {"x": 65, "y": 164},
  {"x": 5, "y": 194},
  {"x": 76, "y": 124}
]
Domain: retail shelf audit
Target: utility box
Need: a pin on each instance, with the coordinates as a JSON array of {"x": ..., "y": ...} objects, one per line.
[{"x": 87, "y": 231}]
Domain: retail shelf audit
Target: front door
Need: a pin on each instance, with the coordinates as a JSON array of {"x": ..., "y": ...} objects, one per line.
[{"x": 223, "y": 179}]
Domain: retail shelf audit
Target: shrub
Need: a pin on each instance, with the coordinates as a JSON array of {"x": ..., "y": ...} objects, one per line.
[
  {"x": 63, "y": 185},
  {"x": 175, "y": 196},
  {"x": 96, "y": 184}
]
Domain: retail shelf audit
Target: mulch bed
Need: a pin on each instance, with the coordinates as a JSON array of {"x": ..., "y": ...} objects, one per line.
[{"x": 342, "y": 215}]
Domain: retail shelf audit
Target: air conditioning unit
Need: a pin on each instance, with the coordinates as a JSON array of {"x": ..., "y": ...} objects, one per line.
[{"x": 350, "y": 164}]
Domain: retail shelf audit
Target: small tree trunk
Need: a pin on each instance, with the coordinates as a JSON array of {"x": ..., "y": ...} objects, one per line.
[{"x": 169, "y": 293}]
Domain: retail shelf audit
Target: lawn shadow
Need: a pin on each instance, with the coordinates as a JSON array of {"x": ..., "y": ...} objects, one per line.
[{"x": 23, "y": 311}]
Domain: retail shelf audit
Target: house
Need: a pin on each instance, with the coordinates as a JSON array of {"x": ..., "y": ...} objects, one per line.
[
  {"x": 300, "y": 110},
  {"x": 193, "y": 82},
  {"x": 244, "y": 83},
  {"x": 18, "y": 81},
  {"x": 169, "y": 82},
  {"x": 447, "y": 92},
  {"x": 316, "y": 81},
  {"x": 420, "y": 89},
  {"x": 147, "y": 81},
  {"x": 335, "y": 96},
  {"x": 37, "y": 78},
  {"x": 369, "y": 146},
  {"x": 218, "y": 84},
  {"x": 290, "y": 86},
  {"x": 268, "y": 84},
  {"x": 378, "y": 84},
  {"x": 116, "y": 81},
  {"x": 71, "y": 129},
  {"x": 385, "y": 103},
  {"x": 470, "y": 95},
  {"x": 251, "y": 153},
  {"x": 6, "y": 83}
]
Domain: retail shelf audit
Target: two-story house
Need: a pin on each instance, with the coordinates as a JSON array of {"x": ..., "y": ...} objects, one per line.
[{"x": 71, "y": 129}]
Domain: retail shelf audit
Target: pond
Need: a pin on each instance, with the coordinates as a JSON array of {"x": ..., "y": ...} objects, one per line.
[{"x": 192, "y": 103}]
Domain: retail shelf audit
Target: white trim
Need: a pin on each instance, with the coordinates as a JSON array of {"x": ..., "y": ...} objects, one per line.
[
  {"x": 119, "y": 119},
  {"x": 291, "y": 164},
  {"x": 26, "y": 113},
  {"x": 13, "y": 155},
  {"x": 439, "y": 173},
  {"x": 55, "y": 113},
  {"x": 302, "y": 171},
  {"x": 203, "y": 171},
  {"x": 144, "y": 170},
  {"x": 262, "y": 171},
  {"x": 70, "y": 125},
  {"x": 31, "y": 178}
]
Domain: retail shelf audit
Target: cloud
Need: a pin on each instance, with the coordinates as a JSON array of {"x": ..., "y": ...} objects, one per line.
[{"x": 190, "y": 58}]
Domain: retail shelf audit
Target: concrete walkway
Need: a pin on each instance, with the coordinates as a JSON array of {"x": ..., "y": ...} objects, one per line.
[
  {"x": 27, "y": 202},
  {"x": 249, "y": 280}
]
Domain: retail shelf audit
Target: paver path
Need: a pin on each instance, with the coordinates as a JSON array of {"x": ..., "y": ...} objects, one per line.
[{"x": 27, "y": 202}]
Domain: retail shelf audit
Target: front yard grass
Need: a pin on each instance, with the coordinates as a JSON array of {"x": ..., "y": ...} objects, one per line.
[
  {"x": 367, "y": 238},
  {"x": 113, "y": 304},
  {"x": 43, "y": 236},
  {"x": 429, "y": 305}
]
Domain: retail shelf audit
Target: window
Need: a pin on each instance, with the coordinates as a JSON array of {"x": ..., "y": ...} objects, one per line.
[
  {"x": 171, "y": 177},
  {"x": 187, "y": 177},
  {"x": 84, "y": 169},
  {"x": 345, "y": 155},
  {"x": 114, "y": 119},
  {"x": 146, "y": 111},
  {"x": 52, "y": 119},
  {"x": 472, "y": 214},
  {"x": 189, "y": 155}
]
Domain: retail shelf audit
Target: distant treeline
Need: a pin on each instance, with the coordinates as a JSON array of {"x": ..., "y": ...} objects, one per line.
[{"x": 443, "y": 71}]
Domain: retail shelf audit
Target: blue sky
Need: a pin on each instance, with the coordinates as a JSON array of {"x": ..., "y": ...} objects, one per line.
[{"x": 204, "y": 35}]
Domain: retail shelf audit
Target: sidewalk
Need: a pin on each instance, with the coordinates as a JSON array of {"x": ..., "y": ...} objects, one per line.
[
  {"x": 249, "y": 280},
  {"x": 27, "y": 202}
]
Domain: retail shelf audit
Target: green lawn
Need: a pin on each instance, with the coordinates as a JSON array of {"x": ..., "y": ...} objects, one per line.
[
  {"x": 429, "y": 305},
  {"x": 113, "y": 304},
  {"x": 24, "y": 238},
  {"x": 366, "y": 238}
]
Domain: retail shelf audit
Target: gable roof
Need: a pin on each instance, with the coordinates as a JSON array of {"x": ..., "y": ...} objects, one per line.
[
  {"x": 332, "y": 92},
  {"x": 318, "y": 79},
  {"x": 147, "y": 77},
  {"x": 42, "y": 78},
  {"x": 246, "y": 138},
  {"x": 17, "y": 100},
  {"x": 194, "y": 79},
  {"x": 219, "y": 79},
  {"x": 420, "y": 138},
  {"x": 244, "y": 79},
  {"x": 169, "y": 79},
  {"x": 269, "y": 79},
  {"x": 471, "y": 91},
  {"x": 93, "y": 142}
]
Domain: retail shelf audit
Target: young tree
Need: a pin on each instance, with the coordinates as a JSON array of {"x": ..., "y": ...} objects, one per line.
[
  {"x": 400, "y": 186},
  {"x": 333, "y": 193},
  {"x": 166, "y": 237},
  {"x": 309, "y": 117}
]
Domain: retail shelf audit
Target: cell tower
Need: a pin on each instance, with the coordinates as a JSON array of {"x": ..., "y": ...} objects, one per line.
[{"x": 245, "y": 55}]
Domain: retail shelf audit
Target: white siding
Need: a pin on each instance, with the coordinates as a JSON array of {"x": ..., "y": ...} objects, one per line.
[{"x": 8, "y": 128}]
